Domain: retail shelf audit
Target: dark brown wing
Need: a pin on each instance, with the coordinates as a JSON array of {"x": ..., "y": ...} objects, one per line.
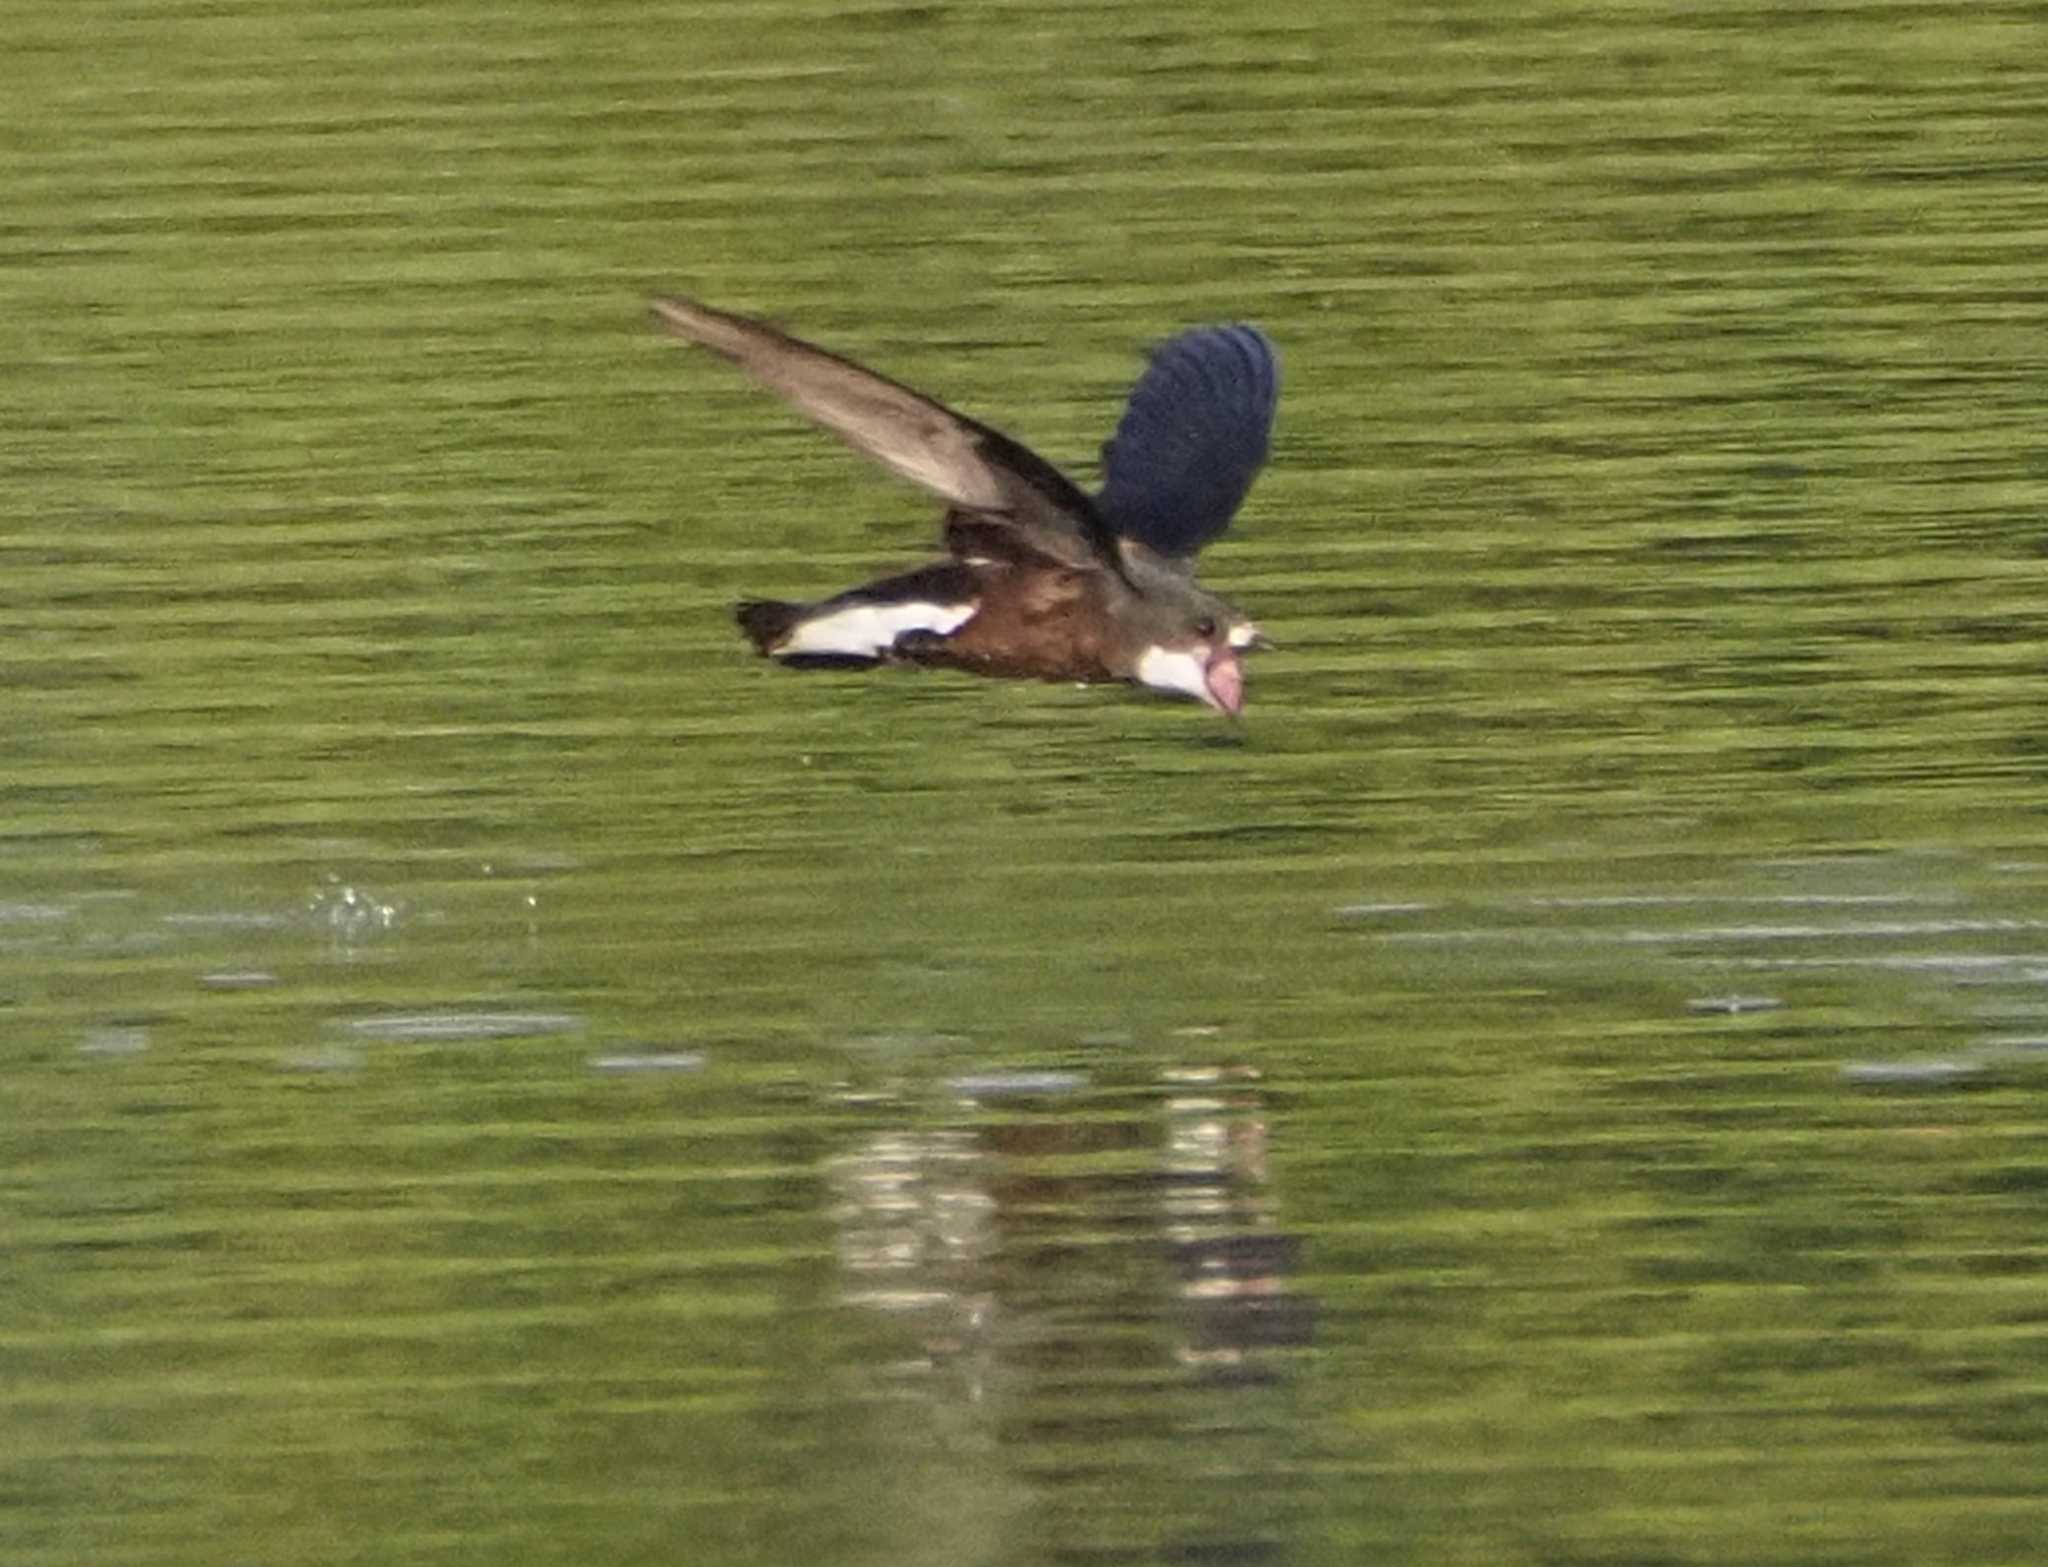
[
  {"x": 975, "y": 536},
  {"x": 977, "y": 469}
]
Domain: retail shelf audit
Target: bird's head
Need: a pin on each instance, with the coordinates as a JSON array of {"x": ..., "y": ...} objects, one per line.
[{"x": 1184, "y": 639}]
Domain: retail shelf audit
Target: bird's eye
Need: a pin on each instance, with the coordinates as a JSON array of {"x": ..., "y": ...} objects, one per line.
[{"x": 1205, "y": 628}]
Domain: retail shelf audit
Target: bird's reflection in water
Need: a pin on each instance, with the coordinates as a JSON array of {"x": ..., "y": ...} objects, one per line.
[{"x": 1100, "y": 1276}]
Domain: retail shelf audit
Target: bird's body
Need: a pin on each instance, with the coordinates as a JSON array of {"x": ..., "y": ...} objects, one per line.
[{"x": 1039, "y": 580}]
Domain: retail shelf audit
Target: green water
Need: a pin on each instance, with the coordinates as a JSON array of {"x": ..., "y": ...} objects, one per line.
[{"x": 495, "y": 1072}]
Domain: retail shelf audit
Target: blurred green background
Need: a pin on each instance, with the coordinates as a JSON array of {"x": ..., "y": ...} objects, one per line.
[{"x": 497, "y": 1071}]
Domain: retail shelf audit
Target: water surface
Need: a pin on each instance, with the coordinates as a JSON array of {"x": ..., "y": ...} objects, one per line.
[{"x": 498, "y": 1072}]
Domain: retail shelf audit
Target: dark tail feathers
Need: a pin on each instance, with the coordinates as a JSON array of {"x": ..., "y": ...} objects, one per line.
[{"x": 767, "y": 621}]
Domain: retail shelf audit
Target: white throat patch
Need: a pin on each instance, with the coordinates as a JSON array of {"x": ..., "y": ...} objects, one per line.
[{"x": 1164, "y": 669}]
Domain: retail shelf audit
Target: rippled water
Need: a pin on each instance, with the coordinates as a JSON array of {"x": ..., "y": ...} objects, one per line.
[{"x": 497, "y": 1072}]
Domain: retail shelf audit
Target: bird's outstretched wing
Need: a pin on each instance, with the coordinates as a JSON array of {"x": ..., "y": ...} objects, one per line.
[
  {"x": 965, "y": 462},
  {"x": 1192, "y": 439}
]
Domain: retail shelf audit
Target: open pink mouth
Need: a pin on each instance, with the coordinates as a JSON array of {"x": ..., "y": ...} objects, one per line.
[{"x": 1225, "y": 680}]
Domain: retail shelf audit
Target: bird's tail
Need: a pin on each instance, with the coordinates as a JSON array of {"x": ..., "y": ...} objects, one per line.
[
  {"x": 865, "y": 626},
  {"x": 767, "y": 621},
  {"x": 777, "y": 628}
]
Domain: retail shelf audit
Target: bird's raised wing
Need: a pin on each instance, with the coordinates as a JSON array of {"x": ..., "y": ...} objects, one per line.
[
  {"x": 966, "y": 463},
  {"x": 1192, "y": 439}
]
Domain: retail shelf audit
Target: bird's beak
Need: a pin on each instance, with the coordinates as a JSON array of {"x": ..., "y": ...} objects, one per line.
[
  {"x": 1248, "y": 638},
  {"x": 1223, "y": 682}
]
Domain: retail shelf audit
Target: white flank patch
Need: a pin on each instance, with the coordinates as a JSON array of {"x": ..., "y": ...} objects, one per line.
[
  {"x": 870, "y": 630},
  {"x": 1165, "y": 670}
]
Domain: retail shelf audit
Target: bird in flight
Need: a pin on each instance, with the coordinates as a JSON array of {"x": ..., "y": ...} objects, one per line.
[{"x": 1040, "y": 580}]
